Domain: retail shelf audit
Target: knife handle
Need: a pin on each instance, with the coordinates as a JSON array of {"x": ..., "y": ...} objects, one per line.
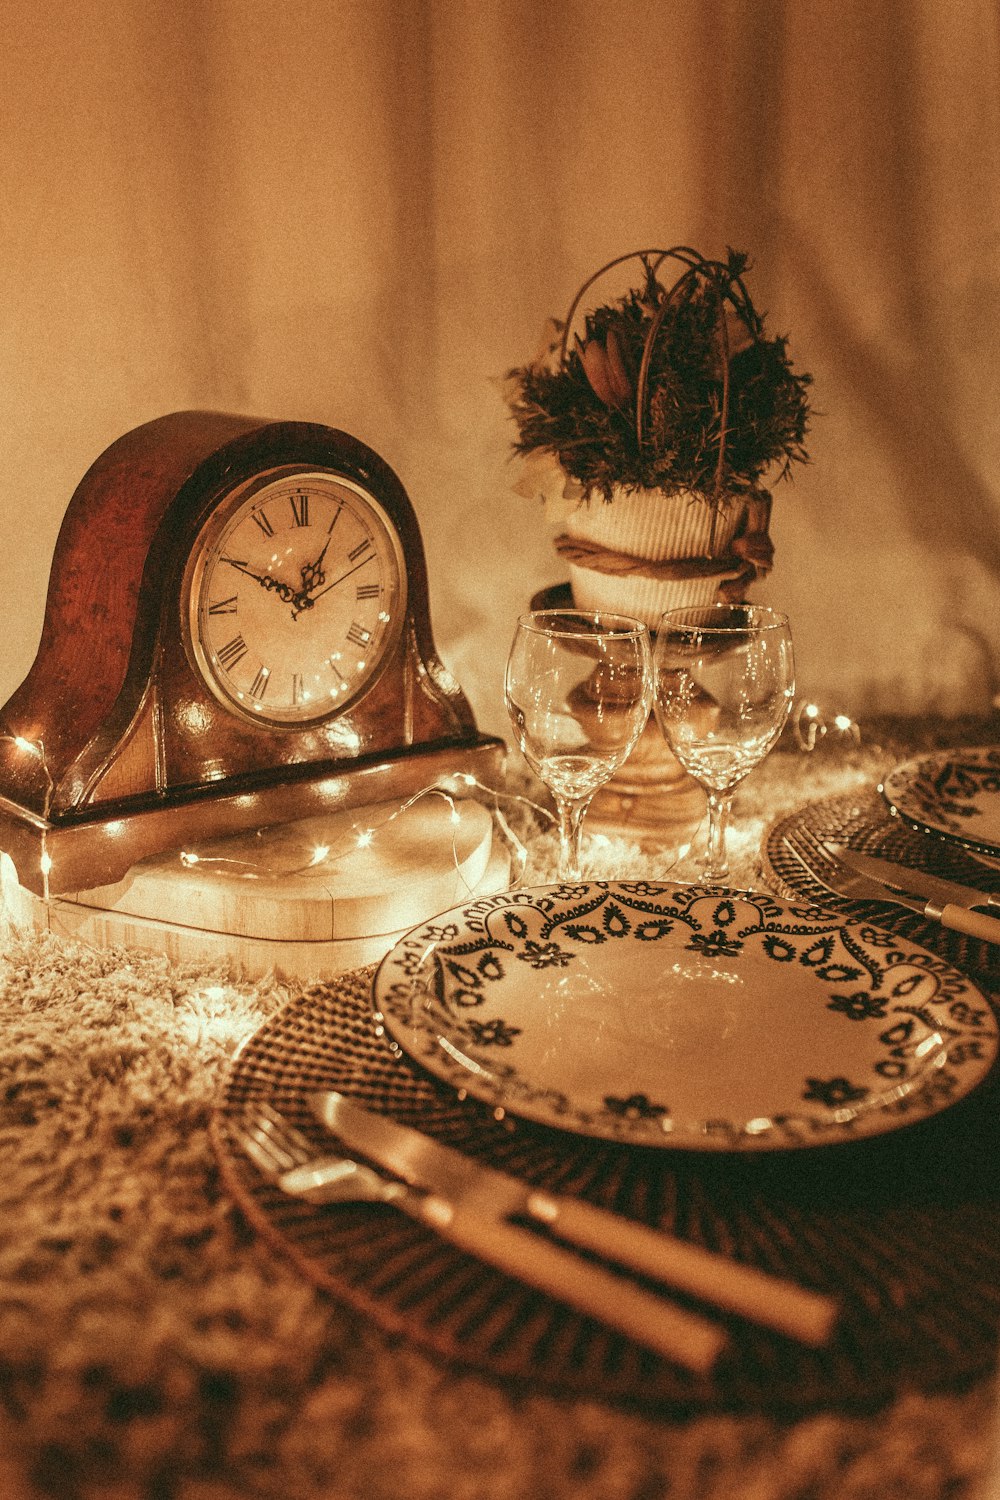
[
  {"x": 684, "y": 1337},
  {"x": 975, "y": 923},
  {"x": 768, "y": 1300}
]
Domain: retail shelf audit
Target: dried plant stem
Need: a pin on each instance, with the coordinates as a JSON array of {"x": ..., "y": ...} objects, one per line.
[
  {"x": 712, "y": 412},
  {"x": 714, "y": 273}
]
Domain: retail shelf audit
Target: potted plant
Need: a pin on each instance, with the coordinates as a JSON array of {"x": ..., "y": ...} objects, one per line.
[{"x": 655, "y": 428}]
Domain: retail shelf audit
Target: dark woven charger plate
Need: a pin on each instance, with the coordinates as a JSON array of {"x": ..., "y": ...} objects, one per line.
[{"x": 904, "y": 1227}]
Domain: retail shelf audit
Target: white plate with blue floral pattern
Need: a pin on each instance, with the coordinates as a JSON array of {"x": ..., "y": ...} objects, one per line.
[
  {"x": 954, "y": 794},
  {"x": 681, "y": 1016}
]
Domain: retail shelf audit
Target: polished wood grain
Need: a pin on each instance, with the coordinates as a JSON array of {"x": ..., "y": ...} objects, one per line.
[
  {"x": 124, "y": 721},
  {"x": 85, "y": 852},
  {"x": 99, "y": 626}
]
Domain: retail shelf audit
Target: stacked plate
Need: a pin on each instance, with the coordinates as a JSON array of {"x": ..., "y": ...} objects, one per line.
[{"x": 954, "y": 795}]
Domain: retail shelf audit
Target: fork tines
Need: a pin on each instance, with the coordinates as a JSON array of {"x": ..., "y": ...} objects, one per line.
[
  {"x": 275, "y": 1145},
  {"x": 824, "y": 869},
  {"x": 802, "y": 838}
]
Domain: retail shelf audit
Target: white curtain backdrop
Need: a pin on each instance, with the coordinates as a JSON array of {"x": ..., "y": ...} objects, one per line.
[{"x": 360, "y": 212}]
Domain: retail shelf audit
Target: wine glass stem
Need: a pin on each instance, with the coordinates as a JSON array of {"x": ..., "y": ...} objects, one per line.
[
  {"x": 570, "y": 824},
  {"x": 716, "y": 868}
]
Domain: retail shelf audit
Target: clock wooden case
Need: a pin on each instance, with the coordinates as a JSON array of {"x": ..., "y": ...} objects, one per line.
[{"x": 236, "y": 634}]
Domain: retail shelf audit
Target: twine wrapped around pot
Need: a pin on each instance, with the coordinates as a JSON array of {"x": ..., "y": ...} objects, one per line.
[
  {"x": 750, "y": 547},
  {"x": 664, "y": 582},
  {"x": 622, "y": 565}
]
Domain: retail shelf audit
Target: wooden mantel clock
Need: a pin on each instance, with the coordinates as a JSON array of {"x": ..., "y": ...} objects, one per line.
[{"x": 236, "y": 635}]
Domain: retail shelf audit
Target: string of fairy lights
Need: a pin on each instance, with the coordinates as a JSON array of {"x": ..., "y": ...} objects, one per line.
[
  {"x": 36, "y": 749},
  {"x": 367, "y": 836},
  {"x": 811, "y": 725},
  {"x": 453, "y": 789}
]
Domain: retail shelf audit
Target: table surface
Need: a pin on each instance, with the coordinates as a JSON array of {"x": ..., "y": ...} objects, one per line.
[{"x": 152, "y": 1345}]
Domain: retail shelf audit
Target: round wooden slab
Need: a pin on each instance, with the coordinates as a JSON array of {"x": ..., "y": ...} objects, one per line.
[
  {"x": 303, "y": 900},
  {"x": 360, "y": 873}
]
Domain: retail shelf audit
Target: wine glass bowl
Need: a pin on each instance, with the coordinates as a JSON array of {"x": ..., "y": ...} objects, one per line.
[
  {"x": 724, "y": 678},
  {"x": 578, "y": 689}
]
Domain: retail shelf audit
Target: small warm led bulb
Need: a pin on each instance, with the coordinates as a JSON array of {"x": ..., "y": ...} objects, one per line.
[{"x": 366, "y": 838}]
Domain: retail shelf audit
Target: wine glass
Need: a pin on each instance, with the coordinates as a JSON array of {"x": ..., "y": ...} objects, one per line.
[
  {"x": 724, "y": 683},
  {"x": 578, "y": 688}
]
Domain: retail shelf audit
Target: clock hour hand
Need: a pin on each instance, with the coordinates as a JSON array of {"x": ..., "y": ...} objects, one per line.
[
  {"x": 312, "y": 572},
  {"x": 301, "y": 601},
  {"x": 283, "y": 590},
  {"x": 312, "y": 576},
  {"x": 307, "y": 598}
]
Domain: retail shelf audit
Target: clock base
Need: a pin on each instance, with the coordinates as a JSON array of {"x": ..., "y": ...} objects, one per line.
[
  {"x": 56, "y": 857},
  {"x": 303, "y": 900}
]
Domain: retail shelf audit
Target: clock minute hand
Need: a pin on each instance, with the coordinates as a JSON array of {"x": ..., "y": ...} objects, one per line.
[
  {"x": 283, "y": 591},
  {"x": 333, "y": 585}
]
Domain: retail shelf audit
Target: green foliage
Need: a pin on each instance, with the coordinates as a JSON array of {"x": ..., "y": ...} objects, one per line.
[{"x": 668, "y": 433}]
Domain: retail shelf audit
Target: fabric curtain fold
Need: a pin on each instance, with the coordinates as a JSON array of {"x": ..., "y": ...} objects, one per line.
[{"x": 361, "y": 212}]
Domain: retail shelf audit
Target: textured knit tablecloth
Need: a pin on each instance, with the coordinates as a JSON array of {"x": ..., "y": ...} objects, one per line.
[{"x": 152, "y": 1345}]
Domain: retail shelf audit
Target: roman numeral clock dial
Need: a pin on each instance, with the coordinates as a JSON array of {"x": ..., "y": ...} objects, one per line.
[
  {"x": 237, "y": 637},
  {"x": 295, "y": 594}
]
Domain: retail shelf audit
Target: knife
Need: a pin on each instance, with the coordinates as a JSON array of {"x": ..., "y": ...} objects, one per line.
[
  {"x": 409, "y": 1154},
  {"x": 288, "y": 1159},
  {"x": 915, "y": 882}
]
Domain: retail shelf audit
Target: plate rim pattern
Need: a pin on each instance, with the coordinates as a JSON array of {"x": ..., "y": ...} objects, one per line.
[
  {"x": 416, "y": 1015},
  {"x": 908, "y": 772}
]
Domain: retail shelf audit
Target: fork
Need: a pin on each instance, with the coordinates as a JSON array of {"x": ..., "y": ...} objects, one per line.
[
  {"x": 286, "y": 1157},
  {"x": 838, "y": 879},
  {"x": 282, "y": 1153},
  {"x": 841, "y": 881}
]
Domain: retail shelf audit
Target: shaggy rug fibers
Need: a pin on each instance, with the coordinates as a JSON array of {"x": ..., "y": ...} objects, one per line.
[{"x": 151, "y": 1346}]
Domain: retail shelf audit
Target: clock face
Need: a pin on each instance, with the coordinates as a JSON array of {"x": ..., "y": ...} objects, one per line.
[{"x": 294, "y": 595}]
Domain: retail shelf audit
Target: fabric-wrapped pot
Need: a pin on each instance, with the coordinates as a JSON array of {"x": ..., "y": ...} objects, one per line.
[{"x": 645, "y": 552}]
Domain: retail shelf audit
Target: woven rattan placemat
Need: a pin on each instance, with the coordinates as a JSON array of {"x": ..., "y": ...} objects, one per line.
[
  {"x": 863, "y": 820},
  {"x": 905, "y": 1228}
]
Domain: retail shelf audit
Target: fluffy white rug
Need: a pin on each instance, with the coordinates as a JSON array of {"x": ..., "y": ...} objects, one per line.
[{"x": 150, "y": 1346}]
